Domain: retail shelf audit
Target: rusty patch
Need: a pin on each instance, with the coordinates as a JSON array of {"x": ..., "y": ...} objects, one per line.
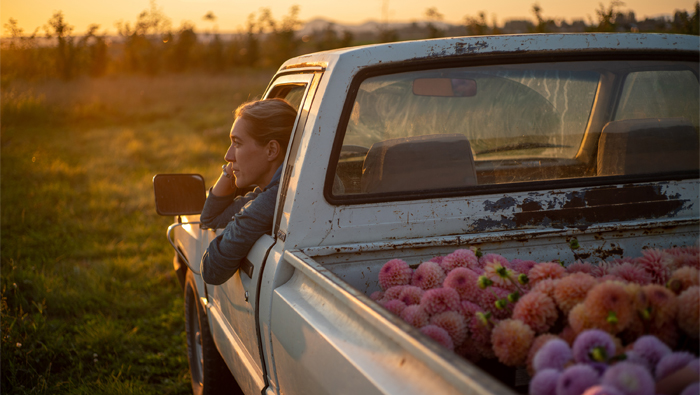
[
  {"x": 530, "y": 205},
  {"x": 500, "y": 204}
]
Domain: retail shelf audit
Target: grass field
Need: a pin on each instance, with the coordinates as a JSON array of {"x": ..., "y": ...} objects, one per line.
[{"x": 90, "y": 301}]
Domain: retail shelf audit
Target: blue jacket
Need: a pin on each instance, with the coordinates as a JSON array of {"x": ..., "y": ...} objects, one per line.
[{"x": 246, "y": 219}]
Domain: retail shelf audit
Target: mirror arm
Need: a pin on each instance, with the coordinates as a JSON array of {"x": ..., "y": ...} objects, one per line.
[{"x": 177, "y": 250}]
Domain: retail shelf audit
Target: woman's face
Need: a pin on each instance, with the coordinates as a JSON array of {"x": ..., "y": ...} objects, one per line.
[{"x": 249, "y": 160}]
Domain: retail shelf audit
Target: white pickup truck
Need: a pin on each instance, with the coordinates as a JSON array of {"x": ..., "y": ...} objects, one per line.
[{"x": 512, "y": 144}]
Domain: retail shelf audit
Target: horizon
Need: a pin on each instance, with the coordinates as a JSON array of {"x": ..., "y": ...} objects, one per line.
[{"x": 80, "y": 14}]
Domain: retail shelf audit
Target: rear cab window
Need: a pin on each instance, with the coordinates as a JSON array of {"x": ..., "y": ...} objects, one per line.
[{"x": 475, "y": 130}]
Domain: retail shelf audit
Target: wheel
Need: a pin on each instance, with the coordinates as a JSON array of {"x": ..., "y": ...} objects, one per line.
[{"x": 208, "y": 371}]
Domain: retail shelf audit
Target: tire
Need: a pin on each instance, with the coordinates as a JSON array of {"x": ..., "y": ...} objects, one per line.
[{"x": 208, "y": 371}]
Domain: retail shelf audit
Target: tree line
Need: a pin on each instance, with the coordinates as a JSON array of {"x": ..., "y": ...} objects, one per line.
[{"x": 151, "y": 46}]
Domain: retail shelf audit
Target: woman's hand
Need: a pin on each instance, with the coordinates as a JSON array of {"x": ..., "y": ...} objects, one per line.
[{"x": 224, "y": 185}]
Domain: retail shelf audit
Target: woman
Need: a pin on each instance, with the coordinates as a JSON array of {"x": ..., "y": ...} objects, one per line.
[{"x": 259, "y": 139}]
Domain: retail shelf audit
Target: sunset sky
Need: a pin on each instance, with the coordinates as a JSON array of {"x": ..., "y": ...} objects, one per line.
[{"x": 231, "y": 14}]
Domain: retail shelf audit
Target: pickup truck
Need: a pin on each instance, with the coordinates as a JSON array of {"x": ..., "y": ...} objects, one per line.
[{"x": 513, "y": 144}]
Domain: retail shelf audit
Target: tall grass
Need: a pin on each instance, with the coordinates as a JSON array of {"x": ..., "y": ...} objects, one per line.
[{"x": 90, "y": 302}]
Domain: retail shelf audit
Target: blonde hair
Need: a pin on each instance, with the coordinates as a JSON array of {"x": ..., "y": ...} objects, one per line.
[{"x": 269, "y": 119}]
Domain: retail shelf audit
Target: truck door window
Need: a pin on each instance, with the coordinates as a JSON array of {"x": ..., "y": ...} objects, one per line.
[{"x": 461, "y": 128}]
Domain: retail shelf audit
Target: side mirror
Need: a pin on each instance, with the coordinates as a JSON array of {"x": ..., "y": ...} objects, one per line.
[
  {"x": 444, "y": 87},
  {"x": 179, "y": 194}
]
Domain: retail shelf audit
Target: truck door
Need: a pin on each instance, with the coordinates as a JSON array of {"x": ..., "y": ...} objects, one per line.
[{"x": 233, "y": 305}]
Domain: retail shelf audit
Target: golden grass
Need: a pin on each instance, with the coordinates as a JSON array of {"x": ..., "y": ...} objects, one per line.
[{"x": 86, "y": 269}]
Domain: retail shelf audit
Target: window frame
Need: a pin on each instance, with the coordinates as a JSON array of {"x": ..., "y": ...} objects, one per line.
[{"x": 595, "y": 119}]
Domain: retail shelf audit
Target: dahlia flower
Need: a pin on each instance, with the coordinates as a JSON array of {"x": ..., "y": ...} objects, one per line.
[
  {"x": 436, "y": 301},
  {"x": 537, "y": 344},
  {"x": 572, "y": 289},
  {"x": 545, "y": 382},
  {"x": 511, "y": 340},
  {"x": 537, "y": 310},
  {"x": 576, "y": 379},
  {"x": 459, "y": 258},
  {"x": 657, "y": 263},
  {"x": 545, "y": 270},
  {"x": 395, "y": 272},
  {"x": 689, "y": 311},
  {"x": 629, "y": 378},
  {"x": 428, "y": 275},
  {"x": 464, "y": 281},
  {"x": 454, "y": 323},
  {"x": 439, "y": 335},
  {"x": 415, "y": 316},
  {"x": 554, "y": 354},
  {"x": 593, "y": 345},
  {"x": 609, "y": 307}
]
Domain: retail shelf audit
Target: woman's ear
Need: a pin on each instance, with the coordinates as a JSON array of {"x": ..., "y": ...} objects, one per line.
[{"x": 273, "y": 150}]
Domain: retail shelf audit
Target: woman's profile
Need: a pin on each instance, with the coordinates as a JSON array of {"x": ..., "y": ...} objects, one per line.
[{"x": 259, "y": 138}]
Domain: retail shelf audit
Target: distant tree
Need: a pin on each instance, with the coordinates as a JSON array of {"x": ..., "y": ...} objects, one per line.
[
  {"x": 685, "y": 23},
  {"x": 66, "y": 51},
  {"x": 542, "y": 25},
  {"x": 97, "y": 54},
  {"x": 433, "y": 16},
  {"x": 21, "y": 56},
  {"x": 607, "y": 16},
  {"x": 144, "y": 42},
  {"x": 250, "y": 51},
  {"x": 476, "y": 26},
  {"x": 282, "y": 42},
  {"x": 181, "y": 58}
]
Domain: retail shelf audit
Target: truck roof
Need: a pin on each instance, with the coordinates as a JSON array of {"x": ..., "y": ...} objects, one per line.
[{"x": 369, "y": 55}]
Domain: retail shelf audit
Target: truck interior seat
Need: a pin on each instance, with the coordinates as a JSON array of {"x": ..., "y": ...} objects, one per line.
[
  {"x": 643, "y": 146},
  {"x": 418, "y": 162}
]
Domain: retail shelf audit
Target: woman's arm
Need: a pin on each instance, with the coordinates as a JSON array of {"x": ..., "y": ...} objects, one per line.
[{"x": 224, "y": 255}]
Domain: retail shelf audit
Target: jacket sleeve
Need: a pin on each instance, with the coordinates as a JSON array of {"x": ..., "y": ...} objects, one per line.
[
  {"x": 218, "y": 211},
  {"x": 226, "y": 251}
]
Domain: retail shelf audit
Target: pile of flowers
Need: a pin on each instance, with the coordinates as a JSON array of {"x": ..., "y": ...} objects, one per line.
[{"x": 485, "y": 306}]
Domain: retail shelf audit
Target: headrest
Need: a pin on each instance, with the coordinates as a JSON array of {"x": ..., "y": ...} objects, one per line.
[
  {"x": 647, "y": 146},
  {"x": 418, "y": 163}
]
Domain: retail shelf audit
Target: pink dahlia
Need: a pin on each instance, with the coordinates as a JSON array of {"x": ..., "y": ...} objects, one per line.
[
  {"x": 437, "y": 259},
  {"x": 411, "y": 295},
  {"x": 521, "y": 266},
  {"x": 459, "y": 258},
  {"x": 547, "y": 286},
  {"x": 657, "y": 264},
  {"x": 464, "y": 281},
  {"x": 480, "y": 330},
  {"x": 377, "y": 295},
  {"x": 491, "y": 258},
  {"x": 572, "y": 290},
  {"x": 438, "y": 300},
  {"x": 468, "y": 309},
  {"x": 537, "y": 344},
  {"x": 487, "y": 301},
  {"x": 415, "y": 316},
  {"x": 511, "y": 340},
  {"x": 500, "y": 275},
  {"x": 395, "y": 272},
  {"x": 663, "y": 304},
  {"x": 439, "y": 335},
  {"x": 537, "y": 310},
  {"x": 580, "y": 267},
  {"x": 683, "y": 278},
  {"x": 689, "y": 311},
  {"x": 578, "y": 319},
  {"x": 392, "y": 293},
  {"x": 602, "y": 269},
  {"x": 428, "y": 275},
  {"x": 454, "y": 323},
  {"x": 395, "y": 306},
  {"x": 545, "y": 270},
  {"x": 609, "y": 307},
  {"x": 631, "y": 272}
]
